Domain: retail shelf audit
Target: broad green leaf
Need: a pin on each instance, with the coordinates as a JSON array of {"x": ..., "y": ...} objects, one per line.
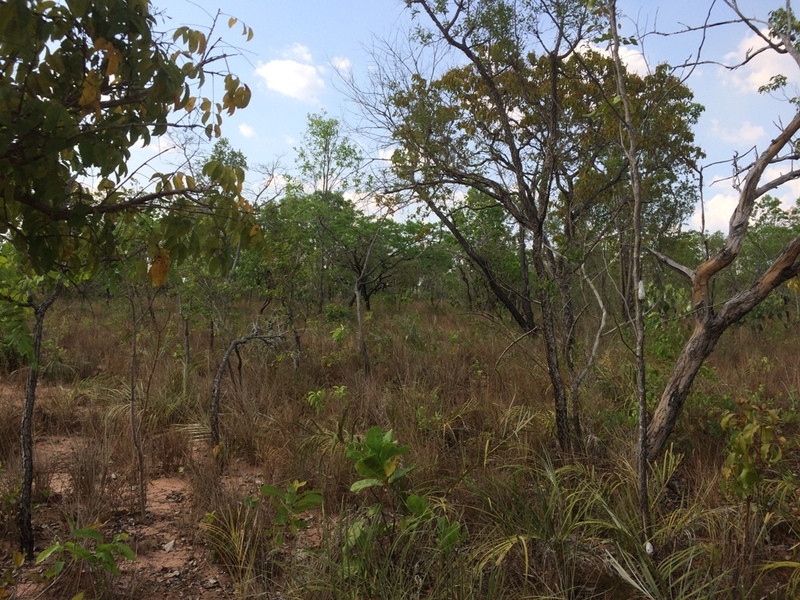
[{"x": 362, "y": 484}]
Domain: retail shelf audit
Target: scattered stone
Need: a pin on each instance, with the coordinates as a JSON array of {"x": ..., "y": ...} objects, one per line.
[{"x": 169, "y": 546}]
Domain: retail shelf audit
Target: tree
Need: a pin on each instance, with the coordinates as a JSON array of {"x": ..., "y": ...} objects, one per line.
[
  {"x": 22, "y": 293},
  {"x": 330, "y": 164},
  {"x": 527, "y": 121},
  {"x": 713, "y": 316},
  {"x": 82, "y": 83}
]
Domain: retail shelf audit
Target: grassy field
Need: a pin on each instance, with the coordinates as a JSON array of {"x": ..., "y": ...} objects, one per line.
[{"x": 435, "y": 476}]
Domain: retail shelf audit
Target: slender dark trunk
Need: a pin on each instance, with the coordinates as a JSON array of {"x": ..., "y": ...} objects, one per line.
[
  {"x": 625, "y": 273},
  {"x": 135, "y": 429},
  {"x": 321, "y": 282},
  {"x": 551, "y": 349},
  {"x": 362, "y": 341},
  {"x": 215, "y": 398},
  {"x": 26, "y": 537},
  {"x": 186, "y": 355},
  {"x": 629, "y": 140},
  {"x": 295, "y": 334}
]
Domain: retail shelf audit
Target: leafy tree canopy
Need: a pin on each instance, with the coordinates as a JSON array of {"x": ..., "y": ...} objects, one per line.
[{"x": 82, "y": 84}]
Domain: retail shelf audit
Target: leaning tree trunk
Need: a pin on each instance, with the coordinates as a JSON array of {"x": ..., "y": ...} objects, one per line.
[
  {"x": 710, "y": 325},
  {"x": 362, "y": 340},
  {"x": 705, "y": 336},
  {"x": 271, "y": 339},
  {"x": 26, "y": 540}
]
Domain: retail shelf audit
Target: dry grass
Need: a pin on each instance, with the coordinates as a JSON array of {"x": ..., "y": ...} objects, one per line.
[{"x": 477, "y": 415}]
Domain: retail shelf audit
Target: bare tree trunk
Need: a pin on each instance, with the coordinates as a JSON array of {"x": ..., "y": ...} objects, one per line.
[
  {"x": 26, "y": 539},
  {"x": 295, "y": 334},
  {"x": 630, "y": 144},
  {"x": 710, "y": 325},
  {"x": 215, "y": 398},
  {"x": 527, "y": 304},
  {"x": 267, "y": 338},
  {"x": 563, "y": 430},
  {"x": 135, "y": 430},
  {"x": 186, "y": 350},
  {"x": 362, "y": 342},
  {"x": 321, "y": 282}
]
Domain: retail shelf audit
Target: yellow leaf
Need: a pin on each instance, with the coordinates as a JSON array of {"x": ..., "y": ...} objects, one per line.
[
  {"x": 159, "y": 268},
  {"x": 189, "y": 107},
  {"x": 232, "y": 21},
  {"x": 254, "y": 230},
  {"x": 113, "y": 56},
  {"x": 390, "y": 466},
  {"x": 90, "y": 93}
]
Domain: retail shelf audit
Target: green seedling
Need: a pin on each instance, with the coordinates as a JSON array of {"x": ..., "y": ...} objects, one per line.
[{"x": 377, "y": 460}]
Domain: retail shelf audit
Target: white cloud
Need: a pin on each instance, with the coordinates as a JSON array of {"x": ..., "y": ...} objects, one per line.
[
  {"x": 341, "y": 63},
  {"x": 246, "y": 130},
  {"x": 632, "y": 58},
  {"x": 718, "y": 213},
  {"x": 758, "y": 71},
  {"x": 294, "y": 75},
  {"x": 298, "y": 52},
  {"x": 746, "y": 134},
  {"x": 634, "y": 61},
  {"x": 289, "y": 140},
  {"x": 718, "y": 210},
  {"x": 386, "y": 153},
  {"x": 291, "y": 78}
]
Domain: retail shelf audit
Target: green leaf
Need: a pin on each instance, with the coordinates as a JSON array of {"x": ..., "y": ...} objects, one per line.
[
  {"x": 271, "y": 490},
  {"x": 126, "y": 551},
  {"x": 55, "y": 569},
  {"x": 376, "y": 439},
  {"x": 308, "y": 501},
  {"x": 45, "y": 554},
  {"x": 400, "y": 473},
  {"x": 417, "y": 505},
  {"x": 362, "y": 484},
  {"x": 88, "y": 533}
]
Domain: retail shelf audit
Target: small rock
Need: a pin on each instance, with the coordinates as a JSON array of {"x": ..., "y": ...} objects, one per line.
[
  {"x": 211, "y": 583},
  {"x": 169, "y": 546}
]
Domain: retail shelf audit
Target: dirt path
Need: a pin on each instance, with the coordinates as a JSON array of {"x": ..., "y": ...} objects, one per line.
[{"x": 171, "y": 555}]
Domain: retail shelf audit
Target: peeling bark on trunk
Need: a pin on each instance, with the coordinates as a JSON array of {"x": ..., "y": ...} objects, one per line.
[
  {"x": 708, "y": 329},
  {"x": 527, "y": 304},
  {"x": 135, "y": 424},
  {"x": 710, "y": 325}
]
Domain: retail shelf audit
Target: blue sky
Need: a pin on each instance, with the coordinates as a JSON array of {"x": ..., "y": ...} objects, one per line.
[{"x": 290, "y": 66}]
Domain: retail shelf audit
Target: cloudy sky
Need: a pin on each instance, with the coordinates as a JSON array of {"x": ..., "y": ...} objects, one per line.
[{"x": 292, "y": 60}]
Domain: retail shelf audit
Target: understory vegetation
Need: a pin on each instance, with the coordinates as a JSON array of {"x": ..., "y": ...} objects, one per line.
[
  {"x": 437, "y": 475},
  {"x": 473, "y": 352}
]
